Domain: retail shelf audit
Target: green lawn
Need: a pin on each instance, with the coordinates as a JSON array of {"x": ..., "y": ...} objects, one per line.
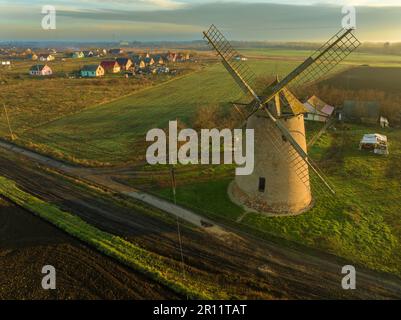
[{"x": 113, "y": 131}]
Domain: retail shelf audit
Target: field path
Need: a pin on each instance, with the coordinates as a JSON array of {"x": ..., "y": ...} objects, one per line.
[{"x": 107, "y": 182}]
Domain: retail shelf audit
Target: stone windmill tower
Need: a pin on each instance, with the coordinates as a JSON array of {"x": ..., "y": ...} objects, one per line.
[{"x": 280, "y": 182}]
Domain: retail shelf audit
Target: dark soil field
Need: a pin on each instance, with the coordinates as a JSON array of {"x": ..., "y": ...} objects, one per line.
[
  {"x": 386, "y": 79},
  {"x": 27, "y": 244}
]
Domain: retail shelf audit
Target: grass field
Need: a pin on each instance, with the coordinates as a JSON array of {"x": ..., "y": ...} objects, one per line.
[
  {"x": 385, "y": 79},
  {"x": 93, "y": 134},
  {"x": 361, "y": 223},
  {"x": 33, "y": 101},
  {"x": 358, "y": 58}
]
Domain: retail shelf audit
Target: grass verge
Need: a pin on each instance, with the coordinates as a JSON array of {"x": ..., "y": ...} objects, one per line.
[{"x": 152, "y": 265}]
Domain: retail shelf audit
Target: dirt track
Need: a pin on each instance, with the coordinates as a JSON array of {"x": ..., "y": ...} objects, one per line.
[
  {"x": 243, "y": 266},
  {"x": 27, "y": 244}
]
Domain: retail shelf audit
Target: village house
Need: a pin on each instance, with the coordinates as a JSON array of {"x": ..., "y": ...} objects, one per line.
[
  {"x": 171, "y": 56},
  {"x": 159, "y": 60},
  {"x": 40, "y": 70},
  {"x": 149, "y": 61},
  {"x": 318, "y": 110},
  {"x": 138, "y": 61},
  {"x": 88, "y": 53},
  {"x": 92, "y": 71},
  {"x": 32, "y": 57},
  {"x": 78, "y": 55},
  {"x": 110, "y": 66},
  {"x": 116, "y": 51},
  {"x": 46, "y": 57},
  {"x": 124, "y": 63}
]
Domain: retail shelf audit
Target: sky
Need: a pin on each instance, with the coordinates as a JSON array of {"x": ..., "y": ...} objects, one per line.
[{"x": 172, "y": 20}]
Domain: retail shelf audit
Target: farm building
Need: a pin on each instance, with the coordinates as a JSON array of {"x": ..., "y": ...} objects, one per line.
[
  {"x": 318, "y": 110},
  {"x": 92, "y": 71},
  {"x": 124, "y": 63},
  {"x": 367, "y": 112},
  {"x": 46, "y": 57},
  {"x": 78, "y": 55},
  {"x": 110, "y": 66},
  {"x": 40, "y": 70},
  {"x": 376, "y": 143}
]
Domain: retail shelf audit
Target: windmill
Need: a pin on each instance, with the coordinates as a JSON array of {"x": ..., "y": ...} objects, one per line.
[{"x": 281, "y": 181}]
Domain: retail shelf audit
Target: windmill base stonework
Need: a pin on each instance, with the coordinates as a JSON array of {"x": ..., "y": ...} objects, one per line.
[{"x": 280, "y": 181}]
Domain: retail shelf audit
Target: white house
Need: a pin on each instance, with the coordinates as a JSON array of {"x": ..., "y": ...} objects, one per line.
[{"x": 46, "y": 57}]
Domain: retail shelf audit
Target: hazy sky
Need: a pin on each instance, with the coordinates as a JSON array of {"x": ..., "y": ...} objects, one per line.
[{"x": 270, "y": 20}]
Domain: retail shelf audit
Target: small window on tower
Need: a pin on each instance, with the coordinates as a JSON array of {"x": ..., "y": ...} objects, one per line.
[{"x": 262, "y": 184}]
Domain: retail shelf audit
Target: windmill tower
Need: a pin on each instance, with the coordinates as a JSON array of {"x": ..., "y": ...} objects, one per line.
[{"x": 280, "y": 183}]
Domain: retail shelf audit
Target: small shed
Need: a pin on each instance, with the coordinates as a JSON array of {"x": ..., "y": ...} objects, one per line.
[{"x": 375, "y": 142}]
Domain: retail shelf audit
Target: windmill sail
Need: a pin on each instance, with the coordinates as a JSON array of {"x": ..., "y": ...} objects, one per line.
[
  {"x": 239, "y": 70},
  {"x": 324, "y": 60},
  {"x": 320, "y": 63}
]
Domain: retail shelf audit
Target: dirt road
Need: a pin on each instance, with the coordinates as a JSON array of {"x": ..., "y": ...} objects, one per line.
[{"x": 244, "y": 266}]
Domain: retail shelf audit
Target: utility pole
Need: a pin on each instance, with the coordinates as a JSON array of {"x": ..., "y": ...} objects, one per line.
[
  {"x": 174, "y": 187},
  {"x": 8, "y": 123}
]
